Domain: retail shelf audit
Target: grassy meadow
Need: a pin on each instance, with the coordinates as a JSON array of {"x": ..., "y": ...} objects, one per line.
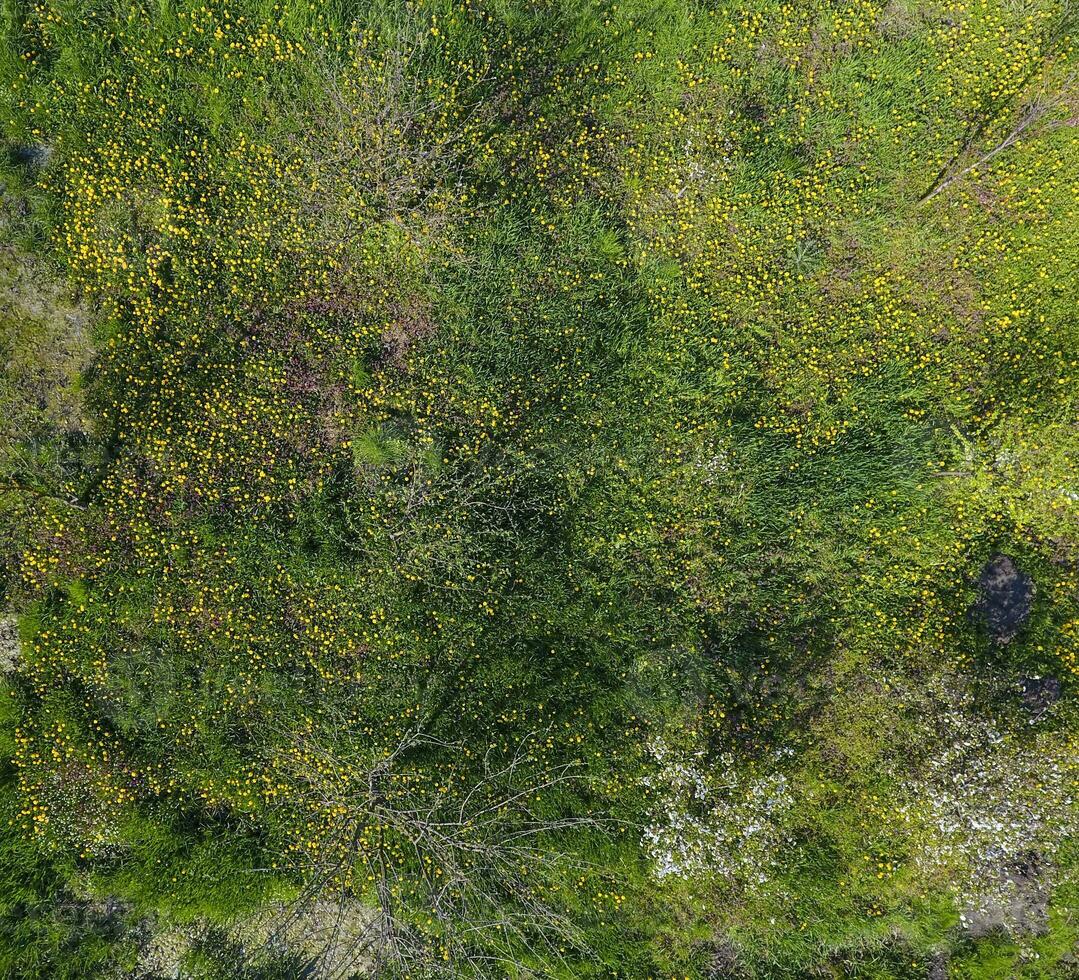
[{"x": 539, "y": 488}]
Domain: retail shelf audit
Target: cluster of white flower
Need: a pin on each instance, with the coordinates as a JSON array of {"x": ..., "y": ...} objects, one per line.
[
  {"x": 723, "y": 819},
  {"x": 991, "y": 806}
]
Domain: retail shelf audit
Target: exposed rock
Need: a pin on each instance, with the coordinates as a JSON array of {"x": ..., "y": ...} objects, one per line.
[
  {"x": 1006, "y": 596},
  {"x": 979, "y": 923},
  {"x": 1039, "y": 694},
  {"x": 1023, "y": 908},
  {"x": 938, "y": 967},
  {"x": 1029, "y": 909}
]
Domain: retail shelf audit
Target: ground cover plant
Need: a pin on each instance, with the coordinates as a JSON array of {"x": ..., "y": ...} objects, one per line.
[{"x": 539, "y": 489}]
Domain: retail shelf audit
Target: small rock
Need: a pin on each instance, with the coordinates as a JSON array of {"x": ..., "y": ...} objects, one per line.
[
  {"x": 1068, "y": 965},
  {"x": 723, "y": 961},
  {"x": 35, "y": 155},
  {"x": 9, "y": 643},
  {"x": 1006, "y": 596}
]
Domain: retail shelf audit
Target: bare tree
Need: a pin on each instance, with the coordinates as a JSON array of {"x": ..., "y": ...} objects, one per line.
[
  {"x": 458, "y": 880},
  {"x": 1034, "y": 113},
  {"x": 1037, "y": 110}
]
